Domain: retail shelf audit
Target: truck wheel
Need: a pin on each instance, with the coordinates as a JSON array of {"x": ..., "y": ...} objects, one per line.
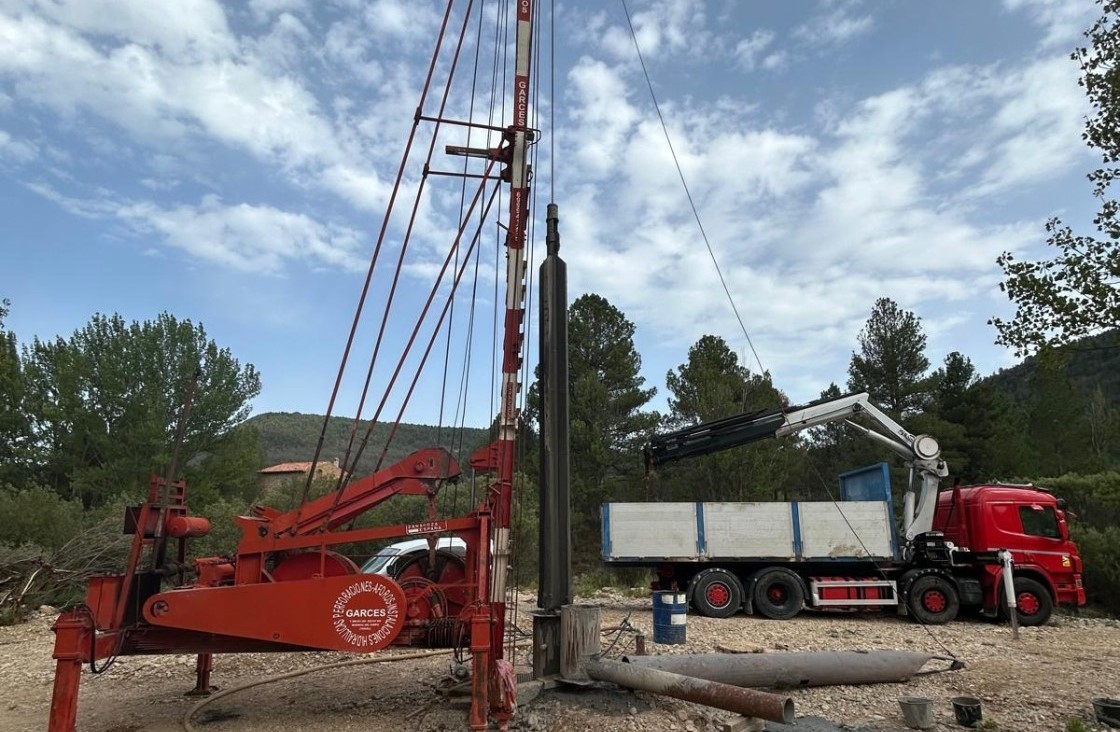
[
  {"x": 716, "y": 593},
  {"x": 933, "y": 600},
  {"x": 778, "y": 594},
  {"x": 1033, "y": 601}
]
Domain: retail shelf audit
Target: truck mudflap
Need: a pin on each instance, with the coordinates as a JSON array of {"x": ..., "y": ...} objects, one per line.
[{"x": 971, "y": 591}]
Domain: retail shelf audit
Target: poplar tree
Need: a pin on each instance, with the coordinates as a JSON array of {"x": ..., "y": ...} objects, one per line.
[{"x": 1076, "y": 292}]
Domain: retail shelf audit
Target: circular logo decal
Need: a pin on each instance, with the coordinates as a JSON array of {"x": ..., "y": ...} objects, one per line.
[{"x": 366, "y": 614}]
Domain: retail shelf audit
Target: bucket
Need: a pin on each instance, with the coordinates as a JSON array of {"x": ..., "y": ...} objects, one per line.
[
  {"x": 967, "y": 710},
  {"x": 917, "y": 711},
  {"x": 670, "y": 615},
  {"x": 1107, "y": 711}
]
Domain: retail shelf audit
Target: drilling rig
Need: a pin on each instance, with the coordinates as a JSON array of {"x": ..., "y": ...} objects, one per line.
[{"x": 291, "y": 562}]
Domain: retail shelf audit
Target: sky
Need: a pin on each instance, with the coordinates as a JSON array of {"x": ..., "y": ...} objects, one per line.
[{"x": 231, "y": 163}]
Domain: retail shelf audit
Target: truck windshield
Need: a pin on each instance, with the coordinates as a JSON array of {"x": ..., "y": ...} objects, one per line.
[{"x": 1039, "y": 521}]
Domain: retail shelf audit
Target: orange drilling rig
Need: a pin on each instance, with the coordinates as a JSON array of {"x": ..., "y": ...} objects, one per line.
[{"x": 291, "y": 563}]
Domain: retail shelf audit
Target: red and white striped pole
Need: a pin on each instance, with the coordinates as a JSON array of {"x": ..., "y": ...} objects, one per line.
[{"x": 517, "y": 137}]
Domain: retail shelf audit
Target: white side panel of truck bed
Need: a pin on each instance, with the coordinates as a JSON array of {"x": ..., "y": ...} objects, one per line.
[
  {"x": 749, "y": 530},
  {"x": 826, "y": 534},
  {"x": 652, "y": 530}
]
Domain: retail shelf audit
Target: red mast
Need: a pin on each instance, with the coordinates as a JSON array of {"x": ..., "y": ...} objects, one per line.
[{"x": 517, "y": 138}]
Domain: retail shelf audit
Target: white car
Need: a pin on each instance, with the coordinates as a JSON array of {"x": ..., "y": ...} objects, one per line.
[{"x": 387, "y": 560}]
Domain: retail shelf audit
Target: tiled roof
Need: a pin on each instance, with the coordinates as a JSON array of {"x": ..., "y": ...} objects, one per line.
[{"x": 288, "y": 468}]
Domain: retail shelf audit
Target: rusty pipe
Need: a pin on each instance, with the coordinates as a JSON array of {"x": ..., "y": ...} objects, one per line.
[{"x": 748, "y": 702}]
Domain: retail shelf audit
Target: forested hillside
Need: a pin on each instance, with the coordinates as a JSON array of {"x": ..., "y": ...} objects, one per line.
[
  {"x": 1090, "y": 364},
  {"x": 291, "y": 436}
]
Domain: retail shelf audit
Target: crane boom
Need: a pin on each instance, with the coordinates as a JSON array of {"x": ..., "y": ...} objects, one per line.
[{"x": 921, "y": 452}]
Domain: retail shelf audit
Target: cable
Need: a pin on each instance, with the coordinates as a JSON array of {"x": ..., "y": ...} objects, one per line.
[
  {"x": 878, "y": 569},
  {"x": 688, "y": 193},
  {"x": 186, "y": 721}
]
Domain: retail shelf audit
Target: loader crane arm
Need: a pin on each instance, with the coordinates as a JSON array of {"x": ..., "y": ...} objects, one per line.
[{"x": 922, "y": 453}]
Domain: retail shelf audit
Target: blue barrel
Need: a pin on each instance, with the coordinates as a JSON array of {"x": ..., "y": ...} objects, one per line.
[{"x": 670, "y": 617}]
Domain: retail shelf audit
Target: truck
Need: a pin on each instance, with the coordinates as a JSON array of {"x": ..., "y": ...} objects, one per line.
[{"x": 955, "y": 548}]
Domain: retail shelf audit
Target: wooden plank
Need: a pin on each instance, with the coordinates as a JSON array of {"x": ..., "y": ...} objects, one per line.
[{"x": 741, "y": 724}]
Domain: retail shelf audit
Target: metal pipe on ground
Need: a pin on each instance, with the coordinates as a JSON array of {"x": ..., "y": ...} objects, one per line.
[
  {"x": 797, "y": 669},
  {"x": 748, "y": 702}
]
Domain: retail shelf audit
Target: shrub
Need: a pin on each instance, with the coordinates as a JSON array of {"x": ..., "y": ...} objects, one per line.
[
  {"x": 37, "y": 516},
  {"x": 1100, "y": 550}
]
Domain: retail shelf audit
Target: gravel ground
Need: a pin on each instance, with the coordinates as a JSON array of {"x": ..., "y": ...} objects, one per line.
[{"x": 1036, "y": 683}]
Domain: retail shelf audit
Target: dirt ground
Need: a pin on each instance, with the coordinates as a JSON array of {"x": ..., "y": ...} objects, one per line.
[{"x": 1036, "y": 683}]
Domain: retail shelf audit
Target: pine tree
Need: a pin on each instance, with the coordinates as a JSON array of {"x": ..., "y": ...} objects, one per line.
[{"x": 891, "y": 363}]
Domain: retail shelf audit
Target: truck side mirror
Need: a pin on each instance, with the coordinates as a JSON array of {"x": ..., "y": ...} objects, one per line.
[{"x": 1063, "y": 527}]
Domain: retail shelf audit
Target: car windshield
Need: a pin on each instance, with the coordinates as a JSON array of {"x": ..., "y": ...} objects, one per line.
[{"x": 378, "y": 561}]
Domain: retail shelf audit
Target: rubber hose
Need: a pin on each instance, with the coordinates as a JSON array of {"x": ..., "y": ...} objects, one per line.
[{"x": 188, "y": 727}]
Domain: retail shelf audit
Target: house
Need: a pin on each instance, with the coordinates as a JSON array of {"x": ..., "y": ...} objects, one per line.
[{"x": 275, "y": 476}]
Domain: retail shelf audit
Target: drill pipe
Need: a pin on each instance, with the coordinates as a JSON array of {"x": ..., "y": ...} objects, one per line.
[
  {"x": 795, "y": 670},
  {"x": 748, "y": 702}
]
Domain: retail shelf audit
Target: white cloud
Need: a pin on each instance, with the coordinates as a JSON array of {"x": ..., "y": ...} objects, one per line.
[
  {"x": 809, "y": 227},
  {"x": 1036, "y": 131},
  {"x": 600, "y": 103},
  {"x": 1063, "y": 20},
  {"x": 16, "y": 151},
  {"x": 184, "y": 29},
  {"x": 158, "y": 100},
  {"x": 258, "y": 239},
  {"x": 263, "y": 10},
  {"x": 664, "y": 28},
  {"x": 749, "y": 50},
  {"x": 838, "y": 24},
  {"x": 776, "y": 60},
  {"x": 245, "y": 237}
]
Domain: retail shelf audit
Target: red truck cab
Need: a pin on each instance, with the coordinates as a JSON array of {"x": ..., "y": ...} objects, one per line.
[{"x": 1031, "y": 524}]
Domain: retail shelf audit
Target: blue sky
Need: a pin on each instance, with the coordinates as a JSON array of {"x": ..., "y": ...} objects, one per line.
[{"x": 230, "y": 163}]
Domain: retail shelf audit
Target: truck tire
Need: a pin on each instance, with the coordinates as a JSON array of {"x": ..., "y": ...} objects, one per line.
[
  {"x": 1033, "y": 602},
  {"x": 932, "y": 599},
  {"x": 716, "y": 593},
  {"x": 778, "y": 593}
]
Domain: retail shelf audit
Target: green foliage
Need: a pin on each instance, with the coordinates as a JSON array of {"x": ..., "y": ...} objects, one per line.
[
  {"x": 1056, "y": 424},
  {"x": 1094, "y": 498},
  {"x": 229, "y": 472},
  {"x": 1095, "y": 501},
  {"x": 712, "y": 385},
  {"x": 38, "y": 516},
  {"x": 1100, "y": 552},
  {"x": 589, "y": 582},
  {"x": 224, "y": 534},
  {"x": 1076, "y": 724},
  {"x": 15, "y": 427},
  {"x": 891, "y": 363},
  {"x": 606, "y": 421},
  {"x": 106, "y": 401},
  {"x": 832, "y": 450},
  {"x": 1076, "y": 293}
]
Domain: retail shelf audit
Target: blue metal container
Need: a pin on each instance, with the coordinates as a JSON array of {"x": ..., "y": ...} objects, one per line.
[{"x": 670, "y": 617}]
